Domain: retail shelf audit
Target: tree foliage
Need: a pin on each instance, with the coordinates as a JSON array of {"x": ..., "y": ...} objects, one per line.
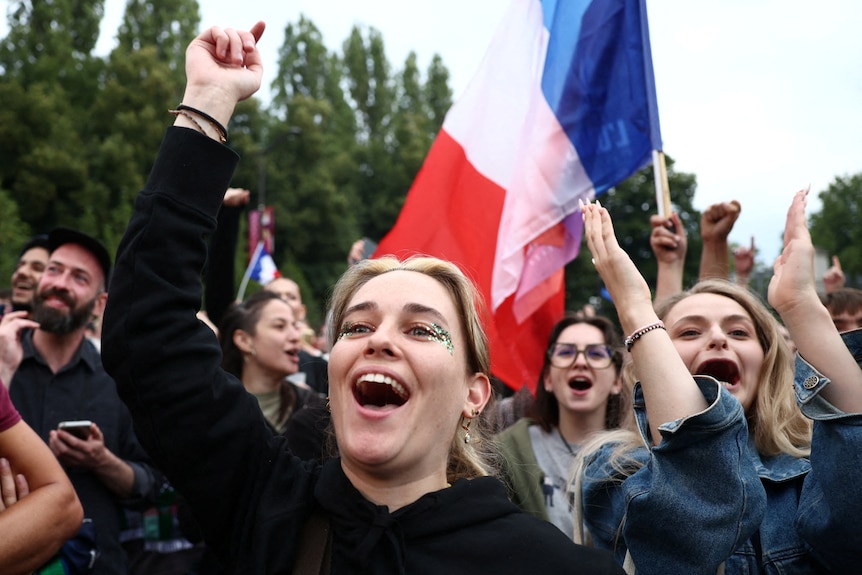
[
  {"x": 335, "y": 150},
  {"x": 837, "y": 228}
]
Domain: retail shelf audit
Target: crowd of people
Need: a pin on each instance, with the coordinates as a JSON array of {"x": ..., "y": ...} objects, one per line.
[{"x": 699, "y": 434}]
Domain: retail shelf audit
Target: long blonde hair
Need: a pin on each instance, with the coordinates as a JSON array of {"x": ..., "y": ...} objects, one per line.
[
  {"x": 466, "y": 460},
  {"x": 774, "y": 419}
]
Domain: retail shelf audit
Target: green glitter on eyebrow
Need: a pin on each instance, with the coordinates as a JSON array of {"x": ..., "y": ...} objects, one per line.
[
  {"x": 442, "y": 337},
  {"x": 345, "y": 330}
]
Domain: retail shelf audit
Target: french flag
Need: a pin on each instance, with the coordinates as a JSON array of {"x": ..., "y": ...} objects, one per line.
[
  {"x": 262, "y": 268},
  {"x": 562, "y": 108}
]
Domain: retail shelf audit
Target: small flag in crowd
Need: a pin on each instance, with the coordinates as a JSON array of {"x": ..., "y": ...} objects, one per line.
[
  {"x": 261, "y": 269},
  {"x": 562, "y": 108}
]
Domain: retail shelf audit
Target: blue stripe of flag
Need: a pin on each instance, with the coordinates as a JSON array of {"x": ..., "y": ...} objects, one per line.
[{"x": 598, "y": 80}]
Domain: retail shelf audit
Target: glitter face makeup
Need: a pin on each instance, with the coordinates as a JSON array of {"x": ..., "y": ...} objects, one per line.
[
  {"x": 437, "y": 334},
  {"x": 442, "y": 337},
  {"x": 346, "y": 330}
]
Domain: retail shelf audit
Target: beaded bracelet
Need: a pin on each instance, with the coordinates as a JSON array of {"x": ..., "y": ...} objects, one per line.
[
  {"x": 630, "y": 340},
  {"x": 222, "y": 131},
  {"x": 191, "y": 119}
]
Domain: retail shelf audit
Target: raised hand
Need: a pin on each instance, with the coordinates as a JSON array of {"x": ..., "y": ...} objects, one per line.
[
  {"x": 223, "y": 67},
  {"x": 11, "y": 327},
  {"x": 669, "y": 243},
  {"x": 628, "y": 288},
  {"x": 792, "y": 285},
  {"x": 793, "y": 294},
  {"x": 668, "y": 239},
  {"x": 235, "y": 197},
  {"x": 718, "y": 219},
  {"x": 834, "y": 278},
  {"x": 743, "y": 262}
]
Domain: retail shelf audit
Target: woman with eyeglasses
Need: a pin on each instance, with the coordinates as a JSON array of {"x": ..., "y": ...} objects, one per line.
[{"x": 579, "y": 392}]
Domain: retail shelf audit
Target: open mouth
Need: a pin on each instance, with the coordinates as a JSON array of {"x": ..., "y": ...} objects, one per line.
[
  {"x": 580, "y": 383},
  {"x": 723, "y": 370},
  {"x": 378, "y": 390}
]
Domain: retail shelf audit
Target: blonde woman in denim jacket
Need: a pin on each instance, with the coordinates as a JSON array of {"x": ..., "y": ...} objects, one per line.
[{"x": 732, "y": 476}]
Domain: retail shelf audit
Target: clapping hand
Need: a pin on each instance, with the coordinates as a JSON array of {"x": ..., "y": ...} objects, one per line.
[{"x": 792, "y": 285}]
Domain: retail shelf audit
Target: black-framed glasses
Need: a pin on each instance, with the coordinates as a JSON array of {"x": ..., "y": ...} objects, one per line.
[{"x": 597, "y": 355}]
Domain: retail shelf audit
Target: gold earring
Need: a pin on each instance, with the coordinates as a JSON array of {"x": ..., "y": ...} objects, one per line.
[{"x": 466, "y": 427}]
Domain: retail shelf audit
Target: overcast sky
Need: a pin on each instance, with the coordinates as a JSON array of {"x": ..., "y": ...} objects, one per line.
[{"x": 757, "y": 98}]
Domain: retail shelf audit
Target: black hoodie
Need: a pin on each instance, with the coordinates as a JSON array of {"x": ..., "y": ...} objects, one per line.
[{"x": 251, "y": 496}]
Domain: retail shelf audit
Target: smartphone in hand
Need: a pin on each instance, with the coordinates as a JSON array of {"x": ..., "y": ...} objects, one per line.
[{"x": 79, "y": 428}]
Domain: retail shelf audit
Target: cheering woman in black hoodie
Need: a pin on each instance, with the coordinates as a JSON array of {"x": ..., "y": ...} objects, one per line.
[{"x": 409, "y": 367}]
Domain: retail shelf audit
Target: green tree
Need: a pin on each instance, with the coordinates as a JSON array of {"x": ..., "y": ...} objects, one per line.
[
  {"x": 837, "y": 227},
  {"x": 52, "y": 42},
  {"x": 335, "y": 151},
  {"x": 438, "y": 94},
  {"x": 309, "y": 165},
  {"x": 48, "y": 81},
  {"x": 164, "y": 25},
  {"x": 14, "y": 233}
]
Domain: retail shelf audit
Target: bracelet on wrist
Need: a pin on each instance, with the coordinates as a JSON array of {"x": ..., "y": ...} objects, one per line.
[
  {"x": 191, "y": 119},
  {"x": 187, "y": 110},
  {"x": 639, "y": 333}
]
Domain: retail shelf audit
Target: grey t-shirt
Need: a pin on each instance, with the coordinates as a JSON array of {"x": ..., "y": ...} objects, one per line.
[{"x": 555, "y": 459}]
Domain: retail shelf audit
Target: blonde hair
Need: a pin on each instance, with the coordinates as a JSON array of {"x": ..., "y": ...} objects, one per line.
[
  {"x": 466, "y": 460},
  {"x": 774, "y": 418}
]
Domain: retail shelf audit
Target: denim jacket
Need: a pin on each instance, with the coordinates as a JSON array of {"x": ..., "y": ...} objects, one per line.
[{"x": 687, "y": 510}]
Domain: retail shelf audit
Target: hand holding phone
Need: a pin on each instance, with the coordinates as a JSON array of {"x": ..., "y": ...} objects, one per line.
[{"x": 79, "y": 428}]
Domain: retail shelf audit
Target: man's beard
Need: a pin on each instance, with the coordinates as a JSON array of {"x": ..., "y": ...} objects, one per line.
[{"x": 57, "y": 321}]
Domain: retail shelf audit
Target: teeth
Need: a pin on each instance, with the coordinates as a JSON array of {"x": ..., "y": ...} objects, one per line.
[{"x": 385, "y": 379}]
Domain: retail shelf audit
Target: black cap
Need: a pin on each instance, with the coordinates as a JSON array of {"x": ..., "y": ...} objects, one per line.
[{"x": 60, "y": 236}]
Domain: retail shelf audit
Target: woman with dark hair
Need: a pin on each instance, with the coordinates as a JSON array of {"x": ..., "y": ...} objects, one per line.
[
  {"x": 260, "y": 345},
  {"x": 579, "y": 392}
]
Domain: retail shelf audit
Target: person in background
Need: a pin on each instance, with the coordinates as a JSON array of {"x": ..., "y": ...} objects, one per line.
[
  {"x": 579, "y": 392},
  {"x": 730, "y": 473},
  {"x": 219, "y": 294},
  {"x": 260, "y": 346},
  {"x": 409, "y": 365},
  {"x": 845, "y": 308},
  {"x": 312, "y": 371},
  {"x": 60, "y": 377},
  {"x": 669, "y": 244},
  {"x": 28, "y": 271}
]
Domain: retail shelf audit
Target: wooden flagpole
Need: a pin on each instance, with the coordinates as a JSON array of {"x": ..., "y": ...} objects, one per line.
[{"x": 662, "y": 188}]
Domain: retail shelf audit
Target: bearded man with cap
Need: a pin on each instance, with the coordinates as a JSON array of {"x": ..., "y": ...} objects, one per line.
[{"x": 60, "y": 377}]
